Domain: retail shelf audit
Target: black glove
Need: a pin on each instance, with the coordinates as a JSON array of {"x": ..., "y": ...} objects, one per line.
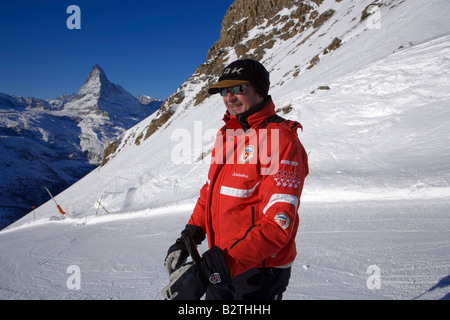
[
  {"x": 177, "y": 253},
  {"x": 189, "y": 283}
]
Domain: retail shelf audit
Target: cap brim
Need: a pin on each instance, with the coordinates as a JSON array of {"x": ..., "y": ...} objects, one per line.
[{"x": 215, "y": 88}]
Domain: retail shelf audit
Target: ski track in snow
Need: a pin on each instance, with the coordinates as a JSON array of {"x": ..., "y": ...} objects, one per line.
[{"x": 122, "y": 257}]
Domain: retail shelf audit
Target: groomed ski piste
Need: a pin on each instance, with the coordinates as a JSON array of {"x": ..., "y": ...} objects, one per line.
[{"x": 374, "y": 217}]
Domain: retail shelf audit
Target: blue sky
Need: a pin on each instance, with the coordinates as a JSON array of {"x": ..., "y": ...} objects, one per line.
[{"x": 148, "y": 47}]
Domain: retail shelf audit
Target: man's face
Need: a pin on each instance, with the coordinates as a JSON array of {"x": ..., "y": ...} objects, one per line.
[{"x": 238, "y": 103}]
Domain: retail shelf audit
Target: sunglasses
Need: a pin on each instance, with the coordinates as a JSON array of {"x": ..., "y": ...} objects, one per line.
[{"x": 234, "y": 90}]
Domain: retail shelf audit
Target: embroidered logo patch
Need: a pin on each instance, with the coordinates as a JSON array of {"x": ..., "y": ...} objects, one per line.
[
  {"x": 282, "y": 219},
  {"x": 248, "y": 153},
  {"x": 215, "y": 278}
]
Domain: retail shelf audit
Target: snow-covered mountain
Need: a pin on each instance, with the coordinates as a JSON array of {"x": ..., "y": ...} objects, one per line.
[
  {"x": 55, "y": 142},
  {"x": 143, "y": 99},
  {"x": 368, "y": 80},
  {"x": 105, "y": 110}
]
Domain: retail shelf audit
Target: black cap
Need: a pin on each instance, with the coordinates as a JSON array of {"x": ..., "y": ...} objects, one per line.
[{"x": 243, "y": 71}]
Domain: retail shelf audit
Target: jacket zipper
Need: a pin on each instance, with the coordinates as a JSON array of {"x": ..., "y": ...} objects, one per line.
[{"x": 248, "y": 230}]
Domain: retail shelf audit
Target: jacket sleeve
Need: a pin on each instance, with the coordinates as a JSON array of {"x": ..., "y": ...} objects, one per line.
[{"x": 276, "y": 220}]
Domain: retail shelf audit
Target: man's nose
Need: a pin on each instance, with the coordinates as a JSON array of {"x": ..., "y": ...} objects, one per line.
[{"x": 231, "y": 96}]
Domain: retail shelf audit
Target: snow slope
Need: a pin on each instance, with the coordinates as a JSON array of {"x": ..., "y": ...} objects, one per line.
[
  {"x": 120, "y": 256},
  {"x": 375, "y": 205}
]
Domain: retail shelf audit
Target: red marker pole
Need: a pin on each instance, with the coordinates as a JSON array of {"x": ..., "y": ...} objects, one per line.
[{"x": 57, "y": 205}]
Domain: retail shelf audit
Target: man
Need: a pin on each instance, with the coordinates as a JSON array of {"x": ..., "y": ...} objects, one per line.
[{"x": 248, "y": 206}]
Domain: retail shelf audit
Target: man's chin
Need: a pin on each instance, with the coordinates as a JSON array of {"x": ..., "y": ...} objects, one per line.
[{"x": 235, "y": 110}]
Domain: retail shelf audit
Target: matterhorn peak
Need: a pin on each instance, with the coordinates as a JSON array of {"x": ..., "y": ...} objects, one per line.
[
  {"x": 97, "y": 67},
  {"x": 97, "y": 71},
  {"x": 95, "y": 82}
]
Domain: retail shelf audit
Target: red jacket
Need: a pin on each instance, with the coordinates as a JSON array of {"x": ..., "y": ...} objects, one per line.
[{"x": 248, "y": 207}]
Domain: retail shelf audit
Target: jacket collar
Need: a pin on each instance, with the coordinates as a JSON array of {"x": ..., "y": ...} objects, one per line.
[{"x": 250, "y": 118}]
